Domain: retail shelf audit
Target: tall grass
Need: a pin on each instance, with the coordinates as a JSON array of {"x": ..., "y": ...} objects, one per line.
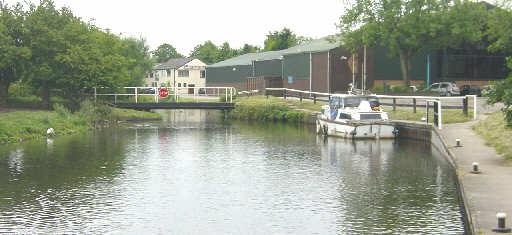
[{"x": 496, "y": 134}]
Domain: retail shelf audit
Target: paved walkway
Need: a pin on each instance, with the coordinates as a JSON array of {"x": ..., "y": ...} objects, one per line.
[{"x": 489, "y": 192}]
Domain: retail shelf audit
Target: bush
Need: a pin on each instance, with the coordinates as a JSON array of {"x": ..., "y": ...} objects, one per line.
[{"x": 61, "y": 110}]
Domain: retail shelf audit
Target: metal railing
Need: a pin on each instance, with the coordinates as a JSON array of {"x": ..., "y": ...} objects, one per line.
[
  {"x": 176, "y": 93},
  {"x": 320, "y": 96}
]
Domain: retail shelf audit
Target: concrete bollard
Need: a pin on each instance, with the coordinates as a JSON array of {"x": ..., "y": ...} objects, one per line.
[
  {"x": 501, "y": 223},
  {"x": 475, "y": 169},
  {"x": 457, "y": 143}
]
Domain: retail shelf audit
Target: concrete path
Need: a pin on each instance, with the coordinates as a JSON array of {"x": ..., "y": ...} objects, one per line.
[{"x": 486, "y": 193}]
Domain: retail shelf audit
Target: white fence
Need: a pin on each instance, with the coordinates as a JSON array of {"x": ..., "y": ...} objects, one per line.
[
  {"x": 176, "y": 92},
  {"x": 316, "y": 96}
]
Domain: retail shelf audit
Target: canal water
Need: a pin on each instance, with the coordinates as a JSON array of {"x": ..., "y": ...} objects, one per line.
[{"x": 195, "y": 174}]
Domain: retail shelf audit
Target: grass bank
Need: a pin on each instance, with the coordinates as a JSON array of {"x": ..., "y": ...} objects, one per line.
[
  {"x": 22, "y": 125},
  {"x": 278, "y": 109},
  {"x": 493, "y": 129}
]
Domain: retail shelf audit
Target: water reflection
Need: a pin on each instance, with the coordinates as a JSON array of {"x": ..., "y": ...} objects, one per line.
[{"x": 208, "y": 176}]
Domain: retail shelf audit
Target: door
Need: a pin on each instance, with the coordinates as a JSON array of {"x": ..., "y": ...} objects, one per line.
[{"x": 191, "y": 90}]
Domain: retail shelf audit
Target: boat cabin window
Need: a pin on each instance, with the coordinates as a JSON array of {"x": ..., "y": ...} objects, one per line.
[
  {"x": 368, "y": 116},
  {"x": 345, "y": 116},
  {"x": 335, "y": 102}
]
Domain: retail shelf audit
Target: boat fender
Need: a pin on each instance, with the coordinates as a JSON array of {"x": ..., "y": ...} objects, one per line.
[
  {"x": 395, "y": 132},
  {"x": 325, "y": 130},
  {"x": 353, "y": 132}
]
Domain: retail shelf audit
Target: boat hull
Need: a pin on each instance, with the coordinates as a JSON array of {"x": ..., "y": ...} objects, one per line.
[{"x": 357, "y": 129}]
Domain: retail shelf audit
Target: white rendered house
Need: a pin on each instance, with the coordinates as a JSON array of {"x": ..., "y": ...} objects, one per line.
[{"x": 180, "y": 72}]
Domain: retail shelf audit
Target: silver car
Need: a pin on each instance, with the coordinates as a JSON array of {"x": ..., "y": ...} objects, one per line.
[{"x": 445, "y": 88}]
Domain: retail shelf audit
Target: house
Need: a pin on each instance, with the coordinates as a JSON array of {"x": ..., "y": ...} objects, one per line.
[{"x": 179, "y": 72}]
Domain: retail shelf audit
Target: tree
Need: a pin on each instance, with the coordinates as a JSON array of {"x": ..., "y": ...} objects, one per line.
[
  {"x": 165, "y": 52},
  {"x": 206, "y": 52},
  {"x": 226, "y": 52},
  {"x": 499, "y": 32},
  {"x": 137, "y": 51},
  {"x": 410, "y": 26},
  {"x": 248, "y": 49},
  {"x": 14, "y": 54},
  {"x": 280, "y": 40}
]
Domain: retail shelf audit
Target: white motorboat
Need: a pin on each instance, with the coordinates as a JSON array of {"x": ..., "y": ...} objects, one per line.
[{"x": 355, "y": 116}]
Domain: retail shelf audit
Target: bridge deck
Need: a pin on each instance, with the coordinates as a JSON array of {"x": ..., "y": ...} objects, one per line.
[{"x": 179, "y": 105}]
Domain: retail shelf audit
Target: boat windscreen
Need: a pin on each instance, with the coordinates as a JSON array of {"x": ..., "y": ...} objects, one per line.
[{"x": 367, "y": 116}]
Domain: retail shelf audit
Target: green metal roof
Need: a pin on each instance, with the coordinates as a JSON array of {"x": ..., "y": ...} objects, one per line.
[{"x": 317, "y": 45}]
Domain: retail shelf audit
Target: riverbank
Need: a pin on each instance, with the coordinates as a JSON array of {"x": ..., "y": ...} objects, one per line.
[
  {"x": 17, "y": 126},
  {"x": 293, "y": 110}
]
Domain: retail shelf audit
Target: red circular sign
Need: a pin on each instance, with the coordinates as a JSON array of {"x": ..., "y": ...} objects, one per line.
[{"x": 163, "y": 92}]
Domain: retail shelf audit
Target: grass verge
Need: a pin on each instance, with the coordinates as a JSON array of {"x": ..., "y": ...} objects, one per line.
[
  {"x": 22, "y": 125},
  {"x": 495, "y": 133}
]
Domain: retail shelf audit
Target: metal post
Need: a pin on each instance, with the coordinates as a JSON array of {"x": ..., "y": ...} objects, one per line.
[
  {"x": 284, "y": 92},
  {"x": 175, "y": 95},
  {"x": 155, "y": 96},
  {"x": 226, "y": 94},
  {"x": 300, "y": 96},
  {"x": 136, "y": 100},
  {"x": 115, "y": 99},
  {"x": 95, "y": 95},
  {"x": 440, "y": 115},
  {"x": 427, "y": 109},
  {"x": 231, "y": 94},
  {"x": 314, "y": 98},
  {"x": 394, "y": 104},
  {"x": 428, "y": 70},
  {"x": 414, "y": 105},
  {"x": 474, "y": 108},
  {"x": 465, "y": 106}
]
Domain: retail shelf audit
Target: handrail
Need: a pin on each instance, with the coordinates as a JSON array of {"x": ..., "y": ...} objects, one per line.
[{"x": 475, "y": 109}]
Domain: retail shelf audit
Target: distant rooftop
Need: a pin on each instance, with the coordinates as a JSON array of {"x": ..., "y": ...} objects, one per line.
[
  {"x": 173, "y": 63},
  {"x": 317, "y": 45}
]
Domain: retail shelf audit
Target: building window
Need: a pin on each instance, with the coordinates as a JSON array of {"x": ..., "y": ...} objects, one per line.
[
  {"x": 203, "y": 74},
  {"x": 182, "y": 73},
  {"x": 168, "y": 73},
  {"x": 184, "y": 84},
  {"x": 151, "y": 75},
  {"x": 154, "y": 84},
  {"x": 179, "y": 84}
]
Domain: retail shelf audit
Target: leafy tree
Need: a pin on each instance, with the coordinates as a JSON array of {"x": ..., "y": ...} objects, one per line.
[
  {"x": 137, "y": 51},
  {"x": 207, "y": 52},
  {"x": 14, "y": 54},
  {"x": 499, "y": 32},
  {"x": 248, "y": 49},
  {"x": 279, "y": 40},
  {"x": 165, "y": 52},
  {"x": 410, "y": 26},
  {"x": 226, "y": 52}
]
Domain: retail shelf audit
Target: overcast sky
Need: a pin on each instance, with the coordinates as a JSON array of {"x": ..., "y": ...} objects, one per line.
[{"x": 185, "y": 24}]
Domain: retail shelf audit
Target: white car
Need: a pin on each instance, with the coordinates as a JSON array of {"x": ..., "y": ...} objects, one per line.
[{"x": 445, "y": 88}]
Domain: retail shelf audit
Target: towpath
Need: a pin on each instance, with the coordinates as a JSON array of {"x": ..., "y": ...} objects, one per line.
[{"x": 488, "y": 192}]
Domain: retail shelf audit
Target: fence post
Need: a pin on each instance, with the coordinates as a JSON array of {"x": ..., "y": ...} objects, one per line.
[
  {"x": 475, "y": 109},
  {"x": 155, "y": 96},
  {"x": 394, "y": 104},
  {"x": 465, "y": 106},
  {"x": 95, "y": 95},
  {"x": 284, "y": 94},
  {"x": 231, "y": 94},
  {"x": 300, "y": 96},
  {"x": 314, "y": 98},
  {"x": 115, "y": 99},
  {"x": 414, "y": 104},
  {"x": 226, "y": 94},
  {"x": 266, "y": 93},
  {"x": 136, "y": 101}
]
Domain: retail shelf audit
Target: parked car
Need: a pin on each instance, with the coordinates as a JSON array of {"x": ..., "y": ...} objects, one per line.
[
  {"x": 445, "y": 88},
  {"x": 147, "y": 91},
  {"x": 470, "y": 90}
]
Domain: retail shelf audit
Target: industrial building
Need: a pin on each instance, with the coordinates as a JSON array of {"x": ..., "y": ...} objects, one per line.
[{"x": 322, "y": 65}]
